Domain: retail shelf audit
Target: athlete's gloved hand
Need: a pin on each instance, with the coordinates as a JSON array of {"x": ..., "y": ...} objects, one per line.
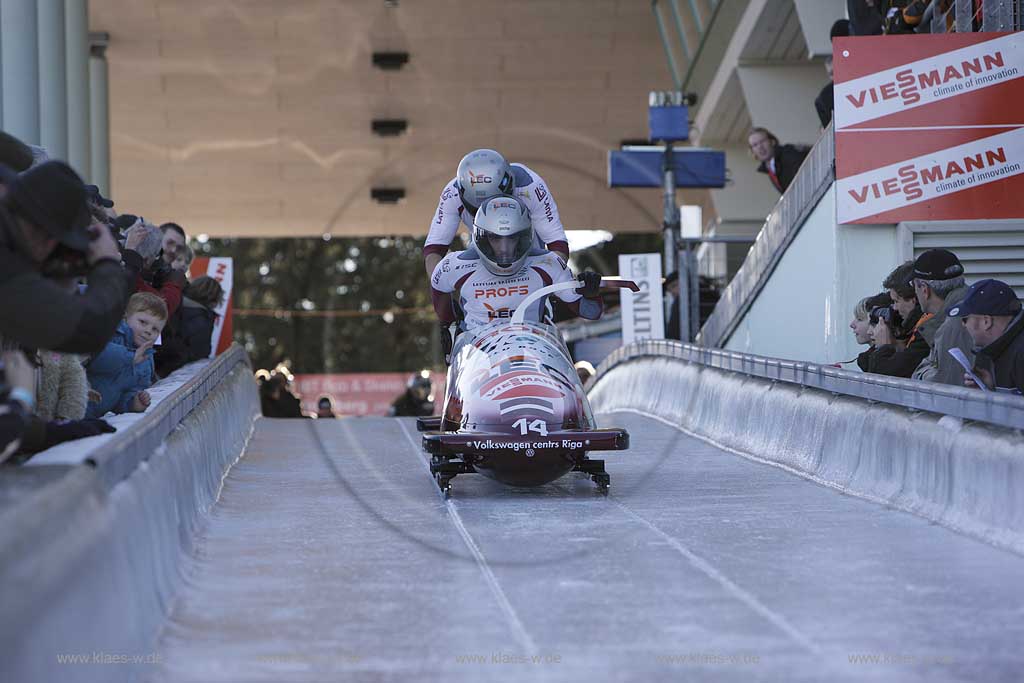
[
  {"x": 446, "y": 343},
  {"x": 591, "y": 284}
]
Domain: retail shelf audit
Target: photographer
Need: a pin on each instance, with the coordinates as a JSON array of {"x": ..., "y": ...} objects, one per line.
[
  {"x": 912, "y": 336},
  {"x": 145, "y": 268},
  {"x": 45, "y": 228},
  {"x": 894, "y": 356}
]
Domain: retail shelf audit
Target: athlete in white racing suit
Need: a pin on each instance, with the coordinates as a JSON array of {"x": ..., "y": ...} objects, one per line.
[
  {"x": 481, "y": 174},
  {"x": 488, "y": 281}
]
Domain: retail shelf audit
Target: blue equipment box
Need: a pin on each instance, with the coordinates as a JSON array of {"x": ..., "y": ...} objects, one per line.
[{"x": 692, "y": 166}]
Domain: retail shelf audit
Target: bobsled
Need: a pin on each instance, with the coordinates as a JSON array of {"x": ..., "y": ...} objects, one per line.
[{"x": 514, "y": 407}]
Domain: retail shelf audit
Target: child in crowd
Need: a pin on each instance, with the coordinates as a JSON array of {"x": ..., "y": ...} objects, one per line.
[{"x": 124, "y": 369}]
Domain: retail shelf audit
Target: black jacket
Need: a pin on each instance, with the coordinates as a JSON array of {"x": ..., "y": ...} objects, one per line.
[
  {"x": 186, "y": 337},
  {"x": 408, "y": 405},
  {"x": 1004, "y": 357},
  {"x": 39, "y": 314},
  {"x": 895, "y": 362},
  {"x": 787, "y": 162}
]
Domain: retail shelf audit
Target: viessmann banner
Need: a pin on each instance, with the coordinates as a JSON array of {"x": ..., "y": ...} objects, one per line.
[{"x": 929, "y": 127}]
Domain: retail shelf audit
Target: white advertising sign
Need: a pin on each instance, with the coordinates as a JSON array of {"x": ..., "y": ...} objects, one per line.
[
  {"x": 930, "y": 80},
  {"x": 926, "y": 177},
  {"x": 643, "y": 311}
]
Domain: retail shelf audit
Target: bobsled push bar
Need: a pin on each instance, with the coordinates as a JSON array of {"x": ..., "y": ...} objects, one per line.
[{"x": 520, "y": 312}]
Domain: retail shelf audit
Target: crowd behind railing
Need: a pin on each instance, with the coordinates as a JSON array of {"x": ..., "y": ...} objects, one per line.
[
  {"x": 928, "y": 324},
  {"x": 95, "y": 306}
]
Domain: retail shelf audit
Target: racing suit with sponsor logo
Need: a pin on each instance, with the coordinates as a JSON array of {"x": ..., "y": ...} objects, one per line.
[
  {"x": 529, "y": 187},
  {"x": 463, "y": 289}
]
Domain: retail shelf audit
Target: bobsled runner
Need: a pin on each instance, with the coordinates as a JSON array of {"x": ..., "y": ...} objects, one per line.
[{"x": 514, "y": 407}]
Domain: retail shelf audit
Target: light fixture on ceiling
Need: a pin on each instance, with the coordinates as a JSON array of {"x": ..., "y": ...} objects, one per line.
[
  {"x": 387, "y": 195},
  {"x": 389, "y": 128},
  {"x": 390, "y": 61}
]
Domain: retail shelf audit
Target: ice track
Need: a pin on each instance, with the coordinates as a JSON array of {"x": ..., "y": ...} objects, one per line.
[{"x": 330, "y": 556}]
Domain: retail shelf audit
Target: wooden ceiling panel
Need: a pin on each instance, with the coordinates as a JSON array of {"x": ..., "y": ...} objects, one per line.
[{"x": 252, "y": 118}]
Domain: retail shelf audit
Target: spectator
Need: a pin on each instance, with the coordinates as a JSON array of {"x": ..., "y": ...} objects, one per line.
[
  {"x": 62, "y": 387},
  {"x": 416, "y": 400},
  {"x": 62, "y": 384},
  {"x": 324, "y": 408},
  {"x": 144, "y": 266},
  {"x": 123, "y": 371},
  {"x": 906, "y": 345},
  {"x": 825, "y": 102},
  {"x": 992, "y": 315},
  {"x": 17, "y": 399},
  {"x": 861, "y": 324},
  {"x": 904, "y": 16},
  {"x": 866, "y": 17},
  {"x": 174, "y": 241},
  {"x": 672, "y": 330},
  {"x": 42, "y": 208},
  {"x": 21, "y": 432},
  {"x": 276, "y": 400},
  {"x": 189, "y": 332},
  {"x": 939, "y": 284},
  {"x": 780, "y": 162},
  {"x": 183, "y": 259}
]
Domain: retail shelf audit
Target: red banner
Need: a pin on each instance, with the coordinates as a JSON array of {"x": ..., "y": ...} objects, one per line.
[
  {"x": 222, "y": 270},
  {"x": 929, "y": 127},
  {"x": 361, "y": 393}
]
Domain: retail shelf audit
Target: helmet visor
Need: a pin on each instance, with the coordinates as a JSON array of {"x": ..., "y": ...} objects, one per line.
[{"x": 504, "y": 250}]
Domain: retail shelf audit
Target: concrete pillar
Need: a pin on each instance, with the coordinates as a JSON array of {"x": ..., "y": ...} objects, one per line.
[
  {"x": 53, "y": 95},
  {"x": 780, "y": 97},
  {"x": 76, "y": 33},
  {"x": 816, "y": 19},
  {"x": 1, "y": 80},
  {"x": 20, "y": 69},
  {"x": 99, "y": 115}
]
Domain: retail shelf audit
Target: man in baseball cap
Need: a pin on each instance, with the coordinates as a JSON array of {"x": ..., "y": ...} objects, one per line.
[
  {"x": 939, "y": 284},
  {"x": 991, "y": 314}
]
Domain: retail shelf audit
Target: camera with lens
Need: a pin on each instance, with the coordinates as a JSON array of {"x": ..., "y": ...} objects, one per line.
[
  {"x": 156, "y": 275},
  {"x": 886, "y": 314}
]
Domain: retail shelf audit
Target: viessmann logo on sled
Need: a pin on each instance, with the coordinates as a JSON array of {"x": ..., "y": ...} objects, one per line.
[{"x": 929, "y": 127}]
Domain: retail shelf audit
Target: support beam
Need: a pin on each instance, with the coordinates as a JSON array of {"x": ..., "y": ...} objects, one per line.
[
  {"x": 76, "y": 32},
  {"x": 99, "y": 114},
  {"x": 53, "y": 95},
  {"x": 20, "y": 69}
]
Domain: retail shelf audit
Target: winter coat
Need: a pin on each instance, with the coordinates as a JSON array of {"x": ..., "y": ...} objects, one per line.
[
  {"x": 1004, "y": 358},
  {"x": 939, "y": 366},
  {"x": 62, "y": 387},
  {"x": 38, "y": 313},
  {"x": 896, "y": 362},
  {"x": 116, "y": 376},
  {"x": 186, "y": 338}
]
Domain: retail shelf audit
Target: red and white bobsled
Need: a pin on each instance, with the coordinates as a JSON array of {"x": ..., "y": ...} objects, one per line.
[{"x": 514, "y": 407}]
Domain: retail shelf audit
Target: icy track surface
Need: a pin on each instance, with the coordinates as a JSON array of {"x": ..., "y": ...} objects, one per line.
[{"x": 330, "y": 556}]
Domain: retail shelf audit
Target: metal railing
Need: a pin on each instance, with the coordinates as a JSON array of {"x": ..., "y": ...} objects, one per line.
[
  {"x": 1000, "y": 409},
  {"x": 812, "y": 181},
  {"x": 945, "y": 16}
]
